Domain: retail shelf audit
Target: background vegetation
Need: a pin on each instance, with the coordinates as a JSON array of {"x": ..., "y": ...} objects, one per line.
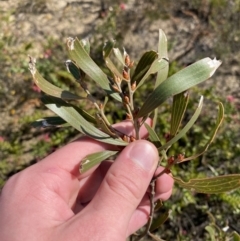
[{"x": 195, "y": 29}]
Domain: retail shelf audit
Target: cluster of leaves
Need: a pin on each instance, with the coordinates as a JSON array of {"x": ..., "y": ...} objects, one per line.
[
  {"x": 188, "y": 210},
  {"x": 120, "y": 85}
]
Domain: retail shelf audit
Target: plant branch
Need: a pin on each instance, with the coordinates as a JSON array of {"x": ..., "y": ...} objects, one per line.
[{"x": 152, "y": 205}]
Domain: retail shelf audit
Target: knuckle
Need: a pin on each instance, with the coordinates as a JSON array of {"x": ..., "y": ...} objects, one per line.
[{"x": 124, "y": 186}]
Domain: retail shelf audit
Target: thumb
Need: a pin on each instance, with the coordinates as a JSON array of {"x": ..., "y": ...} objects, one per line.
[{"x": 126, "y": 183}]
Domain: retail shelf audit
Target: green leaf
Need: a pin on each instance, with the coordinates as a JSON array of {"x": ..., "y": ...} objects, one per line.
[
  {"x": 159, "y": 220},
  {"x": 179, "y": 82},
  {"x": 86, "y": 115},
  {"x": 211, "y": 185},
  {"x": 143, "y": 66},
  {"x": 105, "y": 102},
  {"x": 212, "y": 134},
  {"x": 75, "y": 119},
  {"x": 49, "y": 88},
  {"x": 162, "y": 53},
  {"x": 236, "y": 236},
  {"x": 179, "y": 106},
  {"x": 154, "y": 117},
  {"x": 79, "y": 55},
  {"x": 211, "y": 231},
  {"x": 162, "y": 45},
  {"x": 86, "y": 44},
  {"x": 74, "y": 70},
  {"x": 107, "y": 49},
  {"x": 50, "y": 121},
  {"x": 153, "y": 137},
  {"x": 156, "y": 66},
  {"x": 119, "y": 55},
  {"x": 104, "y": 127},
  {"x": 186, "y": 127},
  {"x": 93, "y": 159},
  {"x": 157, "y": 205},
  {"x": 162, "y": 74}
]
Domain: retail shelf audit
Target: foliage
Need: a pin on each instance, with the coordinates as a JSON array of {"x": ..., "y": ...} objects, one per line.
[{"x": 97, "y": 126}]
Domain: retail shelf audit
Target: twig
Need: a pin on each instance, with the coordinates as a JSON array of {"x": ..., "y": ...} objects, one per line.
[{"x": 149, "y": 223}]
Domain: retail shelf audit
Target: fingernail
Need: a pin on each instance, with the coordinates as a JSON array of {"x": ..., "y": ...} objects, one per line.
[{"x": 144, "y": 154}]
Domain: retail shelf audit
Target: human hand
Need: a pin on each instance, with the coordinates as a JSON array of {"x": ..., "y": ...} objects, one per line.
[{"x": 52, "y": 201}]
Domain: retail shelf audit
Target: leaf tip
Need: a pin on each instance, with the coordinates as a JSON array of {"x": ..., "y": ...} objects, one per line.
[
  {"x": 200, "y": 101},
  {"x": 83, "y": 165},
  {"x": 70, "y": 43},
  {"x": 162, "y": 34},
  {"x": 213, "y": 64},
  {"x": 81, "y": 169},
  {"x": 86, "y": 161},
  {"x": 44, "y": 122},
  {"x": 85, "y": 41},
  {"x": 32, "y": 62},
  {"x": 67, "y": 63}
]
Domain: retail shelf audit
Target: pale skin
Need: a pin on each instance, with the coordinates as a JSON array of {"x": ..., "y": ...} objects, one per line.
[{"x": 51, "y": 201}]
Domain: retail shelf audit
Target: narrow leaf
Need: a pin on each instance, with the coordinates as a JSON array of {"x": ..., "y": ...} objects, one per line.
[
  {"x": 179, "y": 106},
  {"x": 74, "y": 70},
  {"x": 75, "y": 119},
  {"x": 153, "y": 137},
  {"x": 78, "y": 53},
  {"x": 93, "y": 159},
  {"x": 119, "y": 55},
  {"x": 236, "y": 236},
  {"x": 113, "y": 68},
  {"x": 86, "y": 44},
  {"x": 179, "y": 82},
  {"x": 49, "y": 88},
  {"x": 211, "y": 231},
  {"x": 51, "y": 121},
  {"x": 212, "y": 135},
  {"x": 162, "y": 53},
  {"x": 211, "y": 185},
  {"x": 157, "y": 205},
  {"x": 104, "y": 127},
  {"x": 154, "y": 117},
  {"x": 162, "y": 45},
  {"x": 186, "y": 127},
  {"x": 162, "y": 74},
  {"x": 159, "y": 220},
  {"x": 83, "y": 113},
  {"x": 107, "y": 49},
  {"x": 143, "y": 66},
  {"x": 157, "y": 65},
  {"x": 105, "y": 102}
]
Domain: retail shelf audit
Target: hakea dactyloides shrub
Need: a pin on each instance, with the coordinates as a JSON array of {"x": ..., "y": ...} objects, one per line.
[{"x": 132, "y": 76}]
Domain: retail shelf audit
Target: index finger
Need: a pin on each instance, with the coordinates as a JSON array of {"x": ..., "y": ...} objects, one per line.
[{"x": 69, "y": 157}]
